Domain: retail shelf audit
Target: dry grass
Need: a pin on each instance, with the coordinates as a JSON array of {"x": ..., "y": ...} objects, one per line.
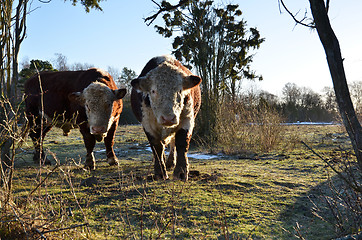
[
  {"x": 269, "y": 196},
  {"x": 240, "y": 129}
]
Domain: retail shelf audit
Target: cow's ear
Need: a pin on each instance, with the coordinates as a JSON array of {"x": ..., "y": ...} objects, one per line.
[
  {"x": 141, "y": 84},
  {"x": 191, "y": 81},
  {"x": 119, "y": 93},
  {"x": 76, "y": 97}
]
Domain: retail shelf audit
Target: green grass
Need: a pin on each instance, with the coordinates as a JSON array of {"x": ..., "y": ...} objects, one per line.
[{"x": 226, "y": 198}]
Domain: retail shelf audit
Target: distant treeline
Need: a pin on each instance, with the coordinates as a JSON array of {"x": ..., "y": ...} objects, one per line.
[
  {"x": 295, "y": 104},
  {"x": 304, "y": 104}
]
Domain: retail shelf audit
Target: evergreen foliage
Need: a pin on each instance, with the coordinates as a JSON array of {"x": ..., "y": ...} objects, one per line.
[
  {"x": 34, "y": 67},
  {"x": 217, "y": 43},
  {"x": 88, "y": 4}
]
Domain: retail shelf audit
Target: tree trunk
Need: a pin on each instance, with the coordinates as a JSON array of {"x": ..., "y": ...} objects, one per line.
[
  {"x": 10, "y": 47},
  {"x": 335, "y": 63}
]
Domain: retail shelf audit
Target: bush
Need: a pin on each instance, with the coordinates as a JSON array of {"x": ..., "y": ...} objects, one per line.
[{"x": 240, "y": 129}]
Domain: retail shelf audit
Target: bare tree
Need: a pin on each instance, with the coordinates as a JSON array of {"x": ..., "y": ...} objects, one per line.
[
  {"x": 60, "y": 62},
  {"x": 80, "y": 66},
  {"x": 330, "y": 43},
  {"x": 115, "y": 73},
  {"x": 13, "y": 31},
  {"x": 291, "y": 93},
  {"x": 335, "y": 63}
]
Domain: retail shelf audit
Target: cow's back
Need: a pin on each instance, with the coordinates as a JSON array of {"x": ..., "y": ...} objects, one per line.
[
  {"x": 55, "y": 88},
  {"x": 67, "y": 81}
]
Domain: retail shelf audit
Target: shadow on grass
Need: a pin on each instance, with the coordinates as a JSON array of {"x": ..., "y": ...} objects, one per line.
[{"x": 313, "y": 214}]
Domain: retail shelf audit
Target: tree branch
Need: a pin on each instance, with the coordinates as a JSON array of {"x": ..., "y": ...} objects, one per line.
[
  {"x": 301, "y": 22},
  {"x": 149, "y": 20}
]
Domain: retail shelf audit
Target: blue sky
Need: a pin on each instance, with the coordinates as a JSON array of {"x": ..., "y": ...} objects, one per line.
[{"x": 118, "y": 37}]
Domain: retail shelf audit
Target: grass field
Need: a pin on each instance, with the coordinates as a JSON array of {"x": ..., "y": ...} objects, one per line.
[{"x": 251, "y": 196}]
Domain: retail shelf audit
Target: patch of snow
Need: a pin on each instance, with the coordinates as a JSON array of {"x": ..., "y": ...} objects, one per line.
[
  {"x": 100, "y": 151},
  {"x": 309, "y": 123},
  {"x": 201, "y": 156}
]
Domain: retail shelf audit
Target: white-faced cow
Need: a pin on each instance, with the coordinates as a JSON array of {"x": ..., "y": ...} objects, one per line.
[
  {"x": 88, "y": 99},
  {"x": 165, "y": 98}
]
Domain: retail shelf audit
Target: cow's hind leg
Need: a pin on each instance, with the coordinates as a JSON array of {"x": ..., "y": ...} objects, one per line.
[
  {"x": 171, "y": 160},
  {"x": 182, "y": 141},
  {"x": 37, "y": 135},
  {"x": 89, "y": 142},
  {"x": 109, "y": 142}
]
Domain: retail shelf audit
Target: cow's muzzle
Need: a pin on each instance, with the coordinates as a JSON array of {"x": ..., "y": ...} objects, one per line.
[
  {"x": 98, "y": 130},
  {"x": 169, "y": 120}
]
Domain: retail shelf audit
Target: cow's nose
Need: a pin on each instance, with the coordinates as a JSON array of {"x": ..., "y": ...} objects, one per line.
[
  {"x": 98, "y": 130},
  {"x": 168, "y": 120}
]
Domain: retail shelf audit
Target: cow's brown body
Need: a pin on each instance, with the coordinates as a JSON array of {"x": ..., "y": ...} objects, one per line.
[
  {"x": 166, "y": 98},
  {"x": 88, "y": 99}
]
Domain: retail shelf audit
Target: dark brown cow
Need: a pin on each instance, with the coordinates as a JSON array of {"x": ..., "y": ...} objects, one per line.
[
  {"x": 88, "y": 99},
  {"x": 166, "y": 99}
]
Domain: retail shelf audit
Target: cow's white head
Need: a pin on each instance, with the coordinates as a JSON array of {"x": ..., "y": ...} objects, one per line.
[
  {"x": 98, "y": 100},
  {"x": 167, "y": 86}
]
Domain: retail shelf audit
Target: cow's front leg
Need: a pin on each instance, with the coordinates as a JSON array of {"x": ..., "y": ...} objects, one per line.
[
  {"x": 109, "y": 142},
  {"x": 89, "y": 142},
  {"x": 159, "y": 161},
  {"x": 182, "y": 142},
  {"x": 158, "y": 150},
  {"x": 171, "y": 160}
]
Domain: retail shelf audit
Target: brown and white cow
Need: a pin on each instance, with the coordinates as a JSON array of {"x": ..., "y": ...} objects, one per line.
[
  {"x": 166, "y": 98},
  {"x": 88, "y": 99}
]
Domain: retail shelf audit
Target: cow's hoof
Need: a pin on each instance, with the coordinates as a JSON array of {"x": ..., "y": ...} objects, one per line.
[
  {"x": 112, "y": 161},
  {"x": 90, "y": 162},
  {"x": 181, "y": 174}
]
